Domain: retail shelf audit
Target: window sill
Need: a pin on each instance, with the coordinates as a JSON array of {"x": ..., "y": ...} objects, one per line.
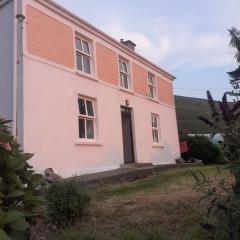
[
  {"x": 88, "y": 143},
  {"x": 153, "y": 100},
  {"x": 89, "y": 76},
  {"x": 126, "y": 90},
  {"x": 158, "y": 145}
]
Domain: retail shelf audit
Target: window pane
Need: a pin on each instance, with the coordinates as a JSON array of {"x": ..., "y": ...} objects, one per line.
[
  {"x": 81, "y": 105},
  {"x": 155, "y": 135},
  {"x": 124, "y": 66},
  {"x": 78, "y": 44},
  {"x": 121, "y": 79},
  {"x": 151, "y": 80},
  {"x": 79, "y": 62},
  {"x": 90, "y": 108},
  {"x": 120, "y": 66},
  {"x": 124, "y": 80},
  {"x": 154, "y": 121},
  {"x": 151, "y": 92},
  {"x": 86, "y": 47},
  {"x": 86, "y": 64},
  {"x": 90, "y": 129},
  {"x": 81, "y": 128}
]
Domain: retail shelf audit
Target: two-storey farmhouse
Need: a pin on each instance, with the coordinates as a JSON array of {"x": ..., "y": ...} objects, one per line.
[{"x": 81, "y": 101}]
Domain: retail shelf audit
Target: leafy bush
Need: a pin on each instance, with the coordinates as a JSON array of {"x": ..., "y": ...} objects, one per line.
[
  {"x": 20, "y": 203},
  {"x": 66, "y": 202},
  {"x": 221, "y": 196},
  {"x": 200, "y": 147}
]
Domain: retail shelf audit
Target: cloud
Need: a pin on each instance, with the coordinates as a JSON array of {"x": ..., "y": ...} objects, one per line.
[
  {"x": 145, "y": 45},
  {"x": 172, "y": 45}
]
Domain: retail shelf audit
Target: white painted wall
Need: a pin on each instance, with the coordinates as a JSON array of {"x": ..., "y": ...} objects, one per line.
[
  {"x": 6, "y": 59},
  {"x": 51, "y": 123}
]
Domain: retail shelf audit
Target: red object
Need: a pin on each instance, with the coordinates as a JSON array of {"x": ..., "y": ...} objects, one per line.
[{"x": 183, "y": 146}]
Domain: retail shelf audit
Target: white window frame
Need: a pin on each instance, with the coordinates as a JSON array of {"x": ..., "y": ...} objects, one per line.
[
  {"x": 155, "y": 129},
  {"x": 126, "y": 73},
  {"x": 86, "y": 117},
  {"x": 152, "y": 78},
  {"x": 82, "y": 53}
]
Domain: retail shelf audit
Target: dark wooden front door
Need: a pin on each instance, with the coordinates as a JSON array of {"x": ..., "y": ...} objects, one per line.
[{"x": 127, "y": 135}]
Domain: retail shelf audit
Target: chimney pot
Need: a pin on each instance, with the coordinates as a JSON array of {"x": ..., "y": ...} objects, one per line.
[{"x": 129, "y": 44}]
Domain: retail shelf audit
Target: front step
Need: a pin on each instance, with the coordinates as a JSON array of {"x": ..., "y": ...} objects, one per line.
[{"x": 136, "y": 165}]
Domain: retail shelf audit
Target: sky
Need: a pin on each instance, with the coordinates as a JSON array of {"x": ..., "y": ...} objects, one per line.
[{"x": 188, "y": 38}]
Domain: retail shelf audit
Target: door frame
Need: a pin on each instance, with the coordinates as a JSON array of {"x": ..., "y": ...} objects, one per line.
[{"x": 132, "y": 133}]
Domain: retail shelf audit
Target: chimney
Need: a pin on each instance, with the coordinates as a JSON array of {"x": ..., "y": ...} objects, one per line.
[{"x": 129, "y": 44}]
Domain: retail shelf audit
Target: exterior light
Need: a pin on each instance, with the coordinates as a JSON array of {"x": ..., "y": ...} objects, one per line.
[
  {"x": 127, "y": 102},
  {"x": 20, "y": 17}
]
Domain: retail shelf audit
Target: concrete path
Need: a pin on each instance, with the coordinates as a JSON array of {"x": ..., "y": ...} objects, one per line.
[{"x": 126, "y": 174}]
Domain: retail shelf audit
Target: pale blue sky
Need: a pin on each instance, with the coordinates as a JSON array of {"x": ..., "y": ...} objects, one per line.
[{"x": 188, "y": 38}]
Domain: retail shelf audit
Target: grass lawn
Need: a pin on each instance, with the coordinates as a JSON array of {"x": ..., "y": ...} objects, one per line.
[{"x": 160, "y": 207}]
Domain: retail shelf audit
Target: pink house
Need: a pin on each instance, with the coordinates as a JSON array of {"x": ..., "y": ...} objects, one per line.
[{"x": 81, "y": 101}]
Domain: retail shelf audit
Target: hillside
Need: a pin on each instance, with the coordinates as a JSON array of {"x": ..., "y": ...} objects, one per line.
[{"x": 188, "y": 110}]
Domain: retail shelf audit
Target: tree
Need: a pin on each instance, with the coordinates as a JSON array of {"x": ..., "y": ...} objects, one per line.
[
  {"x": 20, "y": 201},
  {"x": 223, "y": 217},
  {"x": 235, "y": 74}
]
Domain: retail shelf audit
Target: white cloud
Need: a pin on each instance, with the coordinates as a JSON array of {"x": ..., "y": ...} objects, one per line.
[
  {"x": 174, "y": 45},
  {"x": 145, "y": 45}
]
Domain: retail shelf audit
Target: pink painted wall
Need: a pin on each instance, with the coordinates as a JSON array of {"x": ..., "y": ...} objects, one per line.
[
  {"x": 107, "y": 64},
  {"x": 48, "y": 38},
  {"x": 51, "y": 124},
  {"x": 51, "y": 110},
  {"x": 139, "y": 79},
  {"x": 165, "y": 91}
]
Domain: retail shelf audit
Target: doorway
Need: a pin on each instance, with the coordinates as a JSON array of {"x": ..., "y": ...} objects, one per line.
[{"x": 128, "y": 149}]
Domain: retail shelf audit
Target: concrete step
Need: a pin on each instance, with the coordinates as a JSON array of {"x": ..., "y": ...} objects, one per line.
[
  {"x": 126, "y": 174},
  {"x": 136, "y": 165}
]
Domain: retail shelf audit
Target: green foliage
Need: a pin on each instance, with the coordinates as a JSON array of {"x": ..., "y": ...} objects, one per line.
[
  {"x": 223, "y": 214},
  {"x": 66, "y": 202},
  {"x": 200, "y": 147},
  {"x": 223, "y": 218},
  {"x": 19, "y": 201},
  {"x": 235, "y": 75}
]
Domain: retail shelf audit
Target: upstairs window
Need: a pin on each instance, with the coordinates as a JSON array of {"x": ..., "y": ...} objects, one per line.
[
  {"x": 124, "y": 74},
  {"x": 83, "y": 55},
  {"x": 152, "y": 86},
  {"x": 155, "y": 128},
  {"x": 86, "y": 118}
]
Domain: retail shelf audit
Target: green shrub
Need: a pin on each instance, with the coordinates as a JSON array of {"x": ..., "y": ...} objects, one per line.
[
  {"x": 20, "y": 202},
  {"x": 66, "y": 202},
  {"x": 200, "y": 147}
]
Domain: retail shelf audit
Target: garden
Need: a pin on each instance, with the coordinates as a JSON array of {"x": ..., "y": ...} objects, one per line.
[{"x": 202, "y": 202}]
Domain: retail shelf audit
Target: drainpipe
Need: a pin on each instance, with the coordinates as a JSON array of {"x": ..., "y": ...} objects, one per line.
[
  {"x": 15, "y": 54},
  {"x": 18, "y": 71}
]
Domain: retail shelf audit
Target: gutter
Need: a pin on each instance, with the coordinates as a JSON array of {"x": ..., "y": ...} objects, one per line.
[{"x": 95, "y": 31}]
